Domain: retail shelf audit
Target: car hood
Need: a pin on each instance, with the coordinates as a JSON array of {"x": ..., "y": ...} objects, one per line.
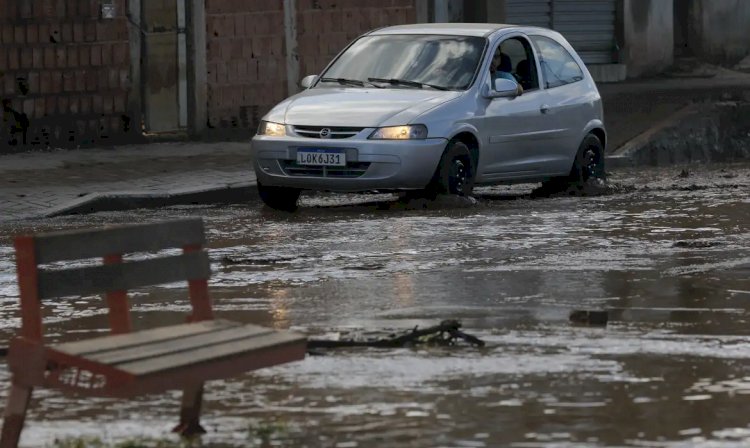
[{"x": 357, "y": 107}]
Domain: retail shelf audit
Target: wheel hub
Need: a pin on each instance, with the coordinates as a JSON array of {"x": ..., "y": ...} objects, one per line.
[{"x": 458, "y": 176}]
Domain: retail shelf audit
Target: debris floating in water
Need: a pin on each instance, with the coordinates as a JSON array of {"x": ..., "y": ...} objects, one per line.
[
  {"x": 588, "y": 317},
  {"x": 447, "y": 333}
]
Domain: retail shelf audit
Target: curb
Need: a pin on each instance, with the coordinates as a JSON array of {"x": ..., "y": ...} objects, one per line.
[
  {"x": 118, "y": 201},
  {"x": 622, "y": 157}
]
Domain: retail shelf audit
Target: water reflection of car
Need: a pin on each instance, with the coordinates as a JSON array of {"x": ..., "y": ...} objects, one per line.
[{"x": 419, "y": 108}]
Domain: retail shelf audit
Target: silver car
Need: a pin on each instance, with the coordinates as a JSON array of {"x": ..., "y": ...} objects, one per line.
[{"x": 436, "y": 109}]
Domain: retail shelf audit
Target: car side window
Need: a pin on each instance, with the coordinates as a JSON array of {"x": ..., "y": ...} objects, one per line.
[
  {"x": 558, "y": 66},
  {"x": 514, "y": 59}
]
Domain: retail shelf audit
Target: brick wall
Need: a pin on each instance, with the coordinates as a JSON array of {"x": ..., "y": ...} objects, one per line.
[
  {"x": 64, "y": 73},
  {"x": 245, "y": 57},
  {"x": 325, "y": 27},
  {"x": 246, "y": 48}
]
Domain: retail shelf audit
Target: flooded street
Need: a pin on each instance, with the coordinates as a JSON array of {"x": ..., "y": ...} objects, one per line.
[{"x": 667, "y": 254}]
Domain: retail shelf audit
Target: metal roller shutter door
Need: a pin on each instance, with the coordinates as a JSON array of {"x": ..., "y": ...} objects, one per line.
[
  {"x": 529, "y": 12},
  {"x": 589, "y": 25}
]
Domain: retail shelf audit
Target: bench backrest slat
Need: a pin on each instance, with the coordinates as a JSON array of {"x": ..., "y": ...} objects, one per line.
[
  {"x": 124, "y": 276},
  {"x": 77, "y": 244}
]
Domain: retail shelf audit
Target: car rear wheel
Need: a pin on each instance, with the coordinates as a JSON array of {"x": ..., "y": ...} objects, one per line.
[
  {"x": 279, "y": 198},
  {"x": 587, "y": 170},
  {"x": 455, "y": 173}
]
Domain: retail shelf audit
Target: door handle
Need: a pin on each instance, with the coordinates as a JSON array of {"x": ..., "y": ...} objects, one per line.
[{"x": 544, "y": 108}]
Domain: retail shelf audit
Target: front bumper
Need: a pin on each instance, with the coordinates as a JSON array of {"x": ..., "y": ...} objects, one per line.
[{"x": 371, "y": 164}]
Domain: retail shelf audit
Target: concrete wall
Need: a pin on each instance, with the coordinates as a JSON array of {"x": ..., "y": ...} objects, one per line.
[
  {"x": 64, "y": 74},
  {"x": 718, "y": 30},
  {"x": 648, "y": 36}
]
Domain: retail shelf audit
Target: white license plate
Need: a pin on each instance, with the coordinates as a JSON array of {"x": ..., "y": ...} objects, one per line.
[{"x": 321, "y": 157}]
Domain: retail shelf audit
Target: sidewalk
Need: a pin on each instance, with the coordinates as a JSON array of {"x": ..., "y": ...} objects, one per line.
[{"x": 43, "y": 184}]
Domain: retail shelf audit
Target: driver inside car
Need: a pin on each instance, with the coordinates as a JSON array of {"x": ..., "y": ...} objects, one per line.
[{"x": 502, "y": 67}]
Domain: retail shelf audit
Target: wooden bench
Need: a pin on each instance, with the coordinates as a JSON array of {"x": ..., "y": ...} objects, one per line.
[{"x": 127, "y": 363}]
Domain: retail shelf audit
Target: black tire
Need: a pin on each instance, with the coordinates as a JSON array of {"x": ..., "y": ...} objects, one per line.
[
  {"x": 279, "y": 198},
  {"x": 587, "y": 169},
  {"x": 455, "y": 173}
]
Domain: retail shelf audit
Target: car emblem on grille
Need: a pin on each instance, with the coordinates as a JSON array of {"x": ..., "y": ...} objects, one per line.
[{"x": 325, "y": 133}]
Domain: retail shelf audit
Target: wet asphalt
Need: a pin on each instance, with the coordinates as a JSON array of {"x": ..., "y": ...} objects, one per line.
[{"x": 664, "y": 251}]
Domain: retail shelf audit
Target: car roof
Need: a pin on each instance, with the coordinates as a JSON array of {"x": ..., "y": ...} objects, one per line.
[{"x": 453, "y": 29}]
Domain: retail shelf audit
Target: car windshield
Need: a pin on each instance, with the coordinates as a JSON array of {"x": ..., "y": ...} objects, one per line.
[{"x": 409, "y": 61}]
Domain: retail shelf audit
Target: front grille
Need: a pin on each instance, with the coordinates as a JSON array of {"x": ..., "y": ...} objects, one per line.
[
  {"x": 333, "y": 132},
  {"x": 351, "y": 170}
]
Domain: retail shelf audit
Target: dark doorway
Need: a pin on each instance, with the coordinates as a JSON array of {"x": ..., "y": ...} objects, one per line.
[{"x": 681, "y": 18}]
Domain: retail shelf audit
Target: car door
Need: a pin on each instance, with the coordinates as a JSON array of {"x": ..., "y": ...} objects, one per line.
[
  {"x": 515, "y": 130},
  {"x": 568, "y": 103}
]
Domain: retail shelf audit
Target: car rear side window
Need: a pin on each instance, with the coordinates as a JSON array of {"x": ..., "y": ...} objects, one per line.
[{"x": 558, "y": 66}]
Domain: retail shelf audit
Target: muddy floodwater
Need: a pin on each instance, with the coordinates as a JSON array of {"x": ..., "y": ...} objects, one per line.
[{"x": 667, "y": 253}]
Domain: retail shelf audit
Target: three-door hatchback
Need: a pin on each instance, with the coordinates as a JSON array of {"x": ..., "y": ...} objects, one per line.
[{"x": 436, "y": 108}]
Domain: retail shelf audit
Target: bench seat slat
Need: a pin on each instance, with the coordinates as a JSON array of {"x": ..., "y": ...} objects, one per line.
[
  {"x": 183, "y": 344},
  {"x": 211, "y": 354},
  {"x": 81, "y": 244},
  {"x": 123, "y": 276},
  {"x": 94, "y": 346}
]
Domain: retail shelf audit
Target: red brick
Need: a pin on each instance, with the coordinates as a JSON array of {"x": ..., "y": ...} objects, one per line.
[
  {"x": 120, "y": 53},
  {"x": 39, "y": 108},
  {"x": 107, "y": 104},
  {"x": 89, "y": 32},
  {"x": 124, "y": 79},
  {"x": 30, "y": 57},
  {"x": 239, "y": 25},
  {"x": 67, "y": 32},
  {"x": 80, "y": 78},
  {"x": 15, "y": 10},
  {"x": 113, "y": 79},
  {"x": 236, "y": 49},
  {"x": 107, "y": 54},
  {"x": 45, "y": 82},
  {"x": 14, "y": 62},
  {"x": 104, "y": 31},
  {"x": 61, "y": 57},
  {"x": 3, "y": 60},
  {"x": 72, "y": 57},
  {"x": 32, "y": 34},
  {"x": 33, "y": 81},
  {"x": 119, "y": 103},
  {"x": 85, "y": 104},
  {"x": 122, "y": 30},
  {"x": 74, "y": 104},
  {"x": 49, "y": 57},
  {"x": 63, "y": 104},
  {"x": 50, "y": 106},
  {"x": 57, "y": 81},
  {"x": 96, "y": 55},
  {"x": 19, "y": 34},
  {"x": 78, "y": 35},
  {"x": 84, "y": 56},
  {"x": 102, "y": 76},
  {"x": 69, "y": 83},
  {"x": 7, "y": 35},
  {"x": 97, "y": 104},
  {"x": 28, "y": 107}
]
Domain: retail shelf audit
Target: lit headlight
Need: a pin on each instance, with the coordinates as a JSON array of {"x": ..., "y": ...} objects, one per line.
[
  {"x": 411, "y": 132},
  {"x": 271, "y": 129}
]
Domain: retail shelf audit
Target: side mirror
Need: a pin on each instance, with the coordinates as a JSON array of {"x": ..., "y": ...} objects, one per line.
[
  {"x": 504, "y": 88},
  {"x": 307, "y": 81}
]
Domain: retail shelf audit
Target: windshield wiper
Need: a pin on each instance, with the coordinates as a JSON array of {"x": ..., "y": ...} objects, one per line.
[
  {"x": 406, "y": 82},
  {"x": 349, "y": 82}
]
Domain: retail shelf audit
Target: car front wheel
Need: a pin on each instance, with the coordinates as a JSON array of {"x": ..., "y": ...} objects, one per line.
[
  {"x": 279, "y": 198},
  {"x": 455, "y": 173}
]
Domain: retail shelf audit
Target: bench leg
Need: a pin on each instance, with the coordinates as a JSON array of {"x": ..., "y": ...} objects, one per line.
[
  {"x": 15, "y": 415},
  {"x": 190, "y": 412}
]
